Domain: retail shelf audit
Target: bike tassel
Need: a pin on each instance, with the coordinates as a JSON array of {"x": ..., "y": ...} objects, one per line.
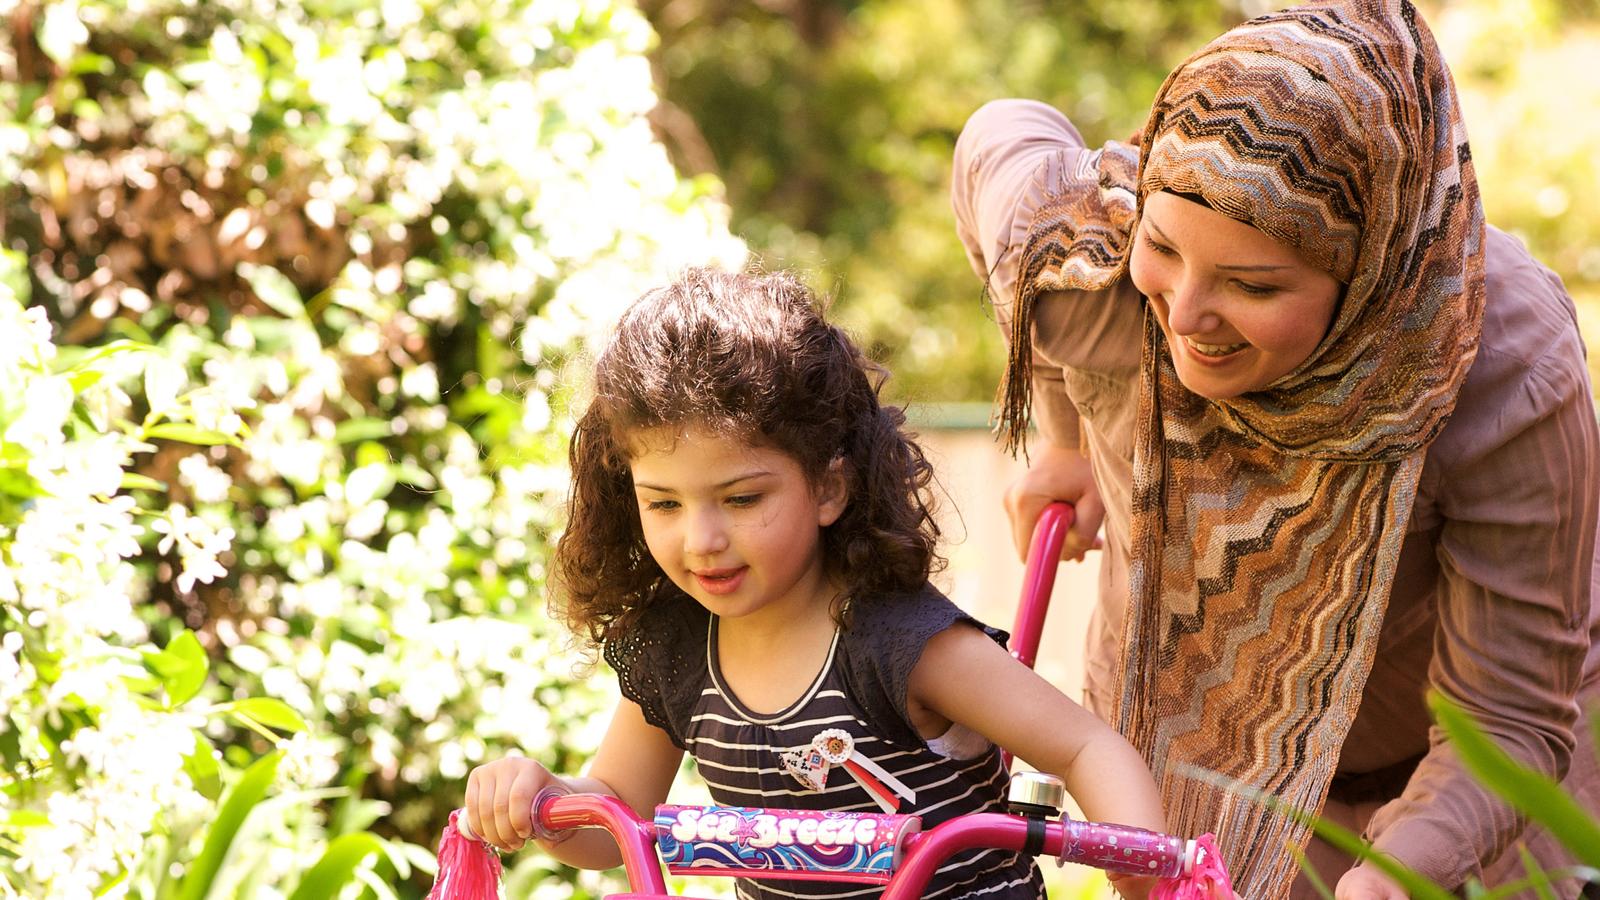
[
  {"x": 469, "y": 869},
  {"x": 1207, "y": 878}
]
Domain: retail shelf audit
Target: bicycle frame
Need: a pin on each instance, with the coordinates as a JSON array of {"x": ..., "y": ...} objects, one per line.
[{"x": 1113, "y": 848}]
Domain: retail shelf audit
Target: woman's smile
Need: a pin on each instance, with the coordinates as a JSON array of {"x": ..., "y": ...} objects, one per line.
[{"x": 1210, "y": 353}]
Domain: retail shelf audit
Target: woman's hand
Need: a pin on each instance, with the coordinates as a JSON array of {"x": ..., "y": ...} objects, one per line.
[
  {"x": 1367, "y": 883},
  {"x": 1056, "y": 473},
  {"x": 500, "y": 800}
]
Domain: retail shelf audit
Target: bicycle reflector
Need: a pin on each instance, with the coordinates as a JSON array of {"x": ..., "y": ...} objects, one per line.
[{"x": 751, "y": 842}]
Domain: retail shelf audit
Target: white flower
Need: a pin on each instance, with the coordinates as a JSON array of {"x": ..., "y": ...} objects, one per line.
[
  {"x": 38, "y": 429},
  {"x": 164, "y": 377},
  {"x": 197, "y": 542},
  {"x": 62, "y": 32},
  {"x": 206, "y": 482}
]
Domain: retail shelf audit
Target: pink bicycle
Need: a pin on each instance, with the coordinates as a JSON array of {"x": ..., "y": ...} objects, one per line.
[{"x": 868, "y": 848}]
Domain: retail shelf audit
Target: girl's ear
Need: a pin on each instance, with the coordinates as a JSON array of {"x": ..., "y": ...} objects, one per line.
[{"x": 833, "y": 493}]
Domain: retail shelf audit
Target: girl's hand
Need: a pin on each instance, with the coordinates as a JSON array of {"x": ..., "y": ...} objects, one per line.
[
  {"x": 1367, "y": 883},
  {"x": 1131, "y": 887},
  {"x": 1056, "y": 473},
  {"x": 500, "y": 800}
]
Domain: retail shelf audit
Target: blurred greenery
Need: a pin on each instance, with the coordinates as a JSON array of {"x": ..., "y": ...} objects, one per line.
[
  {"x": 831, "y": 123},
  {"x": 287, "y": 298}
]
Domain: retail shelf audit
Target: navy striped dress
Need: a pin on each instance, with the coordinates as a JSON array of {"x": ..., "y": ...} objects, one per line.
[{"x": 668, "y": 665}]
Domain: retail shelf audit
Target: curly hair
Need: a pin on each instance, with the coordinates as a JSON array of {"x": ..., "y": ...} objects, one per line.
[{"x": 750, "y": 357}]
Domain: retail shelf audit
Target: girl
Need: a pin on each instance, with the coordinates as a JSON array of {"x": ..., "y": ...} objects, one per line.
[
  {"x": 1340, "y": 432},
  {"x": 749, "y": 542}
]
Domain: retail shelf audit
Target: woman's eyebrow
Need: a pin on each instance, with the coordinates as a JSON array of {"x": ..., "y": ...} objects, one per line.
[{"x": 1232, "y": 268}]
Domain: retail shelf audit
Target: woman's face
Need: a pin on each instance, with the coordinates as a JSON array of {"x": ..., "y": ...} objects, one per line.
[{"x": 1239, "y": 309}]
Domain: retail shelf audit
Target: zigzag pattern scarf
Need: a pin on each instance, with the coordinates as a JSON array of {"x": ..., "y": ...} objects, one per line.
[{"x": 1266, "y": 527}]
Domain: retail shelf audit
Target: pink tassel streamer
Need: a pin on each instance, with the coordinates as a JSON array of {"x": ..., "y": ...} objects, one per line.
[{"x": 469, "y": 869}]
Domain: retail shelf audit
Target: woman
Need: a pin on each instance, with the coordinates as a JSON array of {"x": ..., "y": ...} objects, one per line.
[{"x": 1339, "y": 432}]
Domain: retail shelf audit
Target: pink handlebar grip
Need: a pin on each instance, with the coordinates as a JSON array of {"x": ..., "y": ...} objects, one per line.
[
  {"x": 555, "y": 811},
  {"x": 1130, "y": 851}
]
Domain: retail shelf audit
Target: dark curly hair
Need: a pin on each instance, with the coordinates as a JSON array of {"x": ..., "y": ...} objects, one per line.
[{"x": 749, "y": 356}]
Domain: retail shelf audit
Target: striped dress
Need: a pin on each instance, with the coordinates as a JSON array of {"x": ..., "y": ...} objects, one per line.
[{"x": 668, "y": 665}]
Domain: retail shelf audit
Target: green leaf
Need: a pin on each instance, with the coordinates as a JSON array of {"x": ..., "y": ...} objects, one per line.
[
  {"x": 274, "y": 289},
  {"x": 17, "y": 483},
  {"x": 415, "y": 475},
  {"x": 182, "y": 667},
  {"x": 1311, "y": 875},
  {"x": 84, "y": 379},
  {"x": 190, "y": 434},
  {"x": 244, "y": 796},
  {"x": 337, "y": 866},
  {"x": 1534, "y": 794},
  {"x": 72, "y": 358},
  {"x": 18, "y": 819},
  {"x": 201, "y": 765},
  {"x": 1536, "y": 874},
  {"x": 267, "y": 711},
  {"x": 91, "y": 63},
  {"x": 111, "y": 885},
  {"x": 134, "y": 481},
  {"x": 10, "y": 744},
  {"x": 362, "y": 429},
  {"x": 399, "y": 858}
]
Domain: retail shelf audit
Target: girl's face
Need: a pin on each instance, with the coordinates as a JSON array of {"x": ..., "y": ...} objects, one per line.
[
  {"x": 1239, "y": 309},
  {"x": 737, "y": 527}
]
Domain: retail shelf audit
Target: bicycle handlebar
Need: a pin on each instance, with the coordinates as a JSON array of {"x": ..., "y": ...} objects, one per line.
[
  {"x": 1039, "y": 578},
  {"x": 1113, "y": 848}
]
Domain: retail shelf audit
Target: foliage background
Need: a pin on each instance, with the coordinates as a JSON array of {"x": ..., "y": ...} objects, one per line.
[
  {"x": 292, "y": 296},
  {"x": 831, "y": 123}
]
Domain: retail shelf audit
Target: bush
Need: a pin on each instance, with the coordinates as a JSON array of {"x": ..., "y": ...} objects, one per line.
[{"x": 290, "y": 295}]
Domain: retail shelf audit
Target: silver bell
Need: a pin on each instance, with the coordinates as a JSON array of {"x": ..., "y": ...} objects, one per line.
[{"x": 1036, "y": 794}]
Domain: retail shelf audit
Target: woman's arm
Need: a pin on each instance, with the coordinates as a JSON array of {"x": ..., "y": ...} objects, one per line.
[
  {"x": 1519, "y": 482},
  {"x": 1009, "y": 157}
]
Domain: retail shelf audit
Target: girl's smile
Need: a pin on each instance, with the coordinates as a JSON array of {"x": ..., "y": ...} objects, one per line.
[{"x": 721, "y": 581}]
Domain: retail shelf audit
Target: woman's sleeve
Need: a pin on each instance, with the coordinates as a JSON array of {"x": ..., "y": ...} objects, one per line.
[
  {"x": 1011, "y": 155},
  {"x": 1519, "y": 499}
]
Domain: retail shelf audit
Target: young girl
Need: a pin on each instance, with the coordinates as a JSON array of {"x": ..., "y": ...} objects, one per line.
[{"x": 749, "y": 542}]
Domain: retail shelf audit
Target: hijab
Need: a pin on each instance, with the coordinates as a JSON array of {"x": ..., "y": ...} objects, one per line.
[{"x": 1266, "y": 526}]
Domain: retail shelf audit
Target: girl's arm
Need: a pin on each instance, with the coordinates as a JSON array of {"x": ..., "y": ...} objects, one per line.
[
  {"x": 965, "y": 677},
  {"x": 636, "y": 764}
]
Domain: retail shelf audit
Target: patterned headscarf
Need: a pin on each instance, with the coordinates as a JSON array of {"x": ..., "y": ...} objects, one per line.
[{"x": 1266, "y": 527}]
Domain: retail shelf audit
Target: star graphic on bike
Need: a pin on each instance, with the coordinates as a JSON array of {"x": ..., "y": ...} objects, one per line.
[{"x": 744, "y": 831}]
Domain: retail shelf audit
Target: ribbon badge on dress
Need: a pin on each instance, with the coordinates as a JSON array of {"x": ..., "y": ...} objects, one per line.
[{"x": 835, "y": 747}]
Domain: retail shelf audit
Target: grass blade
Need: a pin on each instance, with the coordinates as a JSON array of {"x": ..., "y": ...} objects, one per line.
[
  {"x": 242, "y": 798},
  {"x": 1534, "y": 794}
]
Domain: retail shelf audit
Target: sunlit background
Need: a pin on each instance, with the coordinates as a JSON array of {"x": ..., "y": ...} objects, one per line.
[{"x": 293, "y": 303}]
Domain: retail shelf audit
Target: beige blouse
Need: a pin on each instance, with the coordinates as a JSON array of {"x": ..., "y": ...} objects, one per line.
[{"x": 1491, "y": 599}]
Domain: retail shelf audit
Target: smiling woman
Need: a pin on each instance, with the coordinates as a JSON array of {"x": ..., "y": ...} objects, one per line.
[{"x": 1341, "y": 432}]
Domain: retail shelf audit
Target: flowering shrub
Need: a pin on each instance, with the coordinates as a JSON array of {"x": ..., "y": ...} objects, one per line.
[{"x": 291, "y": 296}]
